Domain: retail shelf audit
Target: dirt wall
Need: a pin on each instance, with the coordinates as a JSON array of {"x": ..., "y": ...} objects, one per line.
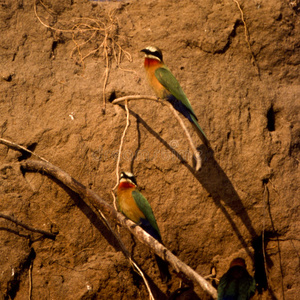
[{"x": 58, "y": 58}]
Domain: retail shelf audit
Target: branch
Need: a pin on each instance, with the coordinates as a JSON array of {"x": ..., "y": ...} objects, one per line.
[
  {"x": 135, "y": 97},
  {"x": 45, "y": 233},
  {"x": 169, "y": 105},
  {"x": 196, "y": 153},
  {"x": 137, "y": 231},
  {"x": 121, "y": 146},
  {"x": 124, "y": 250},
  {"x": 19, "y": 148}
]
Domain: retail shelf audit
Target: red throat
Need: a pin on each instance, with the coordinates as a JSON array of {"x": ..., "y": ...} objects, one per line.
[
  {"x": 238, "y": 262},
  {"x": 125, "y": 185},
  {"x": 150, "y": 62}
]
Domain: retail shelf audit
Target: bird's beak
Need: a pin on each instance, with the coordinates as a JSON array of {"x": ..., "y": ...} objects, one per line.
[{"x": 145, "y": 50}]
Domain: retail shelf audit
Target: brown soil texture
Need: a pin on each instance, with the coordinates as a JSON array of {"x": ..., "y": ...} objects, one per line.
[{"x": 245, "y": 198}]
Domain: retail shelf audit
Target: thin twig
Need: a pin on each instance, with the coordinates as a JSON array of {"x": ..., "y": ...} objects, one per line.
[
  {"x": 106, "y": 72},
  {"x": 135, "y": 97},
  {"x": 50, "y": 11},
  {"x": 127, "y": 254},
  {"x": 108, "y": 210},
  {"x": 30, "y": 280},
  {"x": 19, "y": 148},
  {"x": 90, "y": 28},
  {"x": 169, "y": 105},
  {"x": 247, "y": 37},
  {"x": 196, "y": 153},
  {"x": 120, "y": 152},
  {"x": 45, "y": 233}
]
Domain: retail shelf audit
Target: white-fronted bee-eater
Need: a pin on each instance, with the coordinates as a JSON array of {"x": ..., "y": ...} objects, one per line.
[
  {"x": 166, "y": 86},
  {"x": 236, "y": 283},
  {"x": 135, "y": 207}
]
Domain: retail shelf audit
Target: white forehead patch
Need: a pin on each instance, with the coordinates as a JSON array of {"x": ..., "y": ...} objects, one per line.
[
  {"x": 128, "y": 174},
  {"x": 151, "y": 48}
]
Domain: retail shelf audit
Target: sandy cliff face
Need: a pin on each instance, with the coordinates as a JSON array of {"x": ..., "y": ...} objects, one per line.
[{"x": 51, "y": 101}]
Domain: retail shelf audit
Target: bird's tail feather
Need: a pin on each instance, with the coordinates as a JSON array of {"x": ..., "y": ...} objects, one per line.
[
  {"x": 200, "y": 132},
  {"x": 163, "y": 269}
]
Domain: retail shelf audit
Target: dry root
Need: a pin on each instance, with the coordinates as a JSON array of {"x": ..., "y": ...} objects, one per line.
[{"x": 91, "y": 36}]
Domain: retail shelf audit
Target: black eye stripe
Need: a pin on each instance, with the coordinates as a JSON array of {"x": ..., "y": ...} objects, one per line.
[
  {"x": 153, "y": 51},
  {"x": 132, "y": 178},
  {"x": 156, "y": 53}
]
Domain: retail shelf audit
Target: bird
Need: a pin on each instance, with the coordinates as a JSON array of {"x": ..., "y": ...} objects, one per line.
[
  {"x": 135, "y": 207},
  {"x": 166, "y": 86},
  {"x": 236, "y": 283}
]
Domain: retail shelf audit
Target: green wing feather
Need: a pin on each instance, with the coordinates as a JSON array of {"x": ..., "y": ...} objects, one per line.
[
  {"x": 222, "y": 285},
  {"x": 146, "y": 209},
  {"x": 242, "y": 288},
  {"x": 247, "y": 287},
  {"x": 168, "y": 80},
  {"x": 204, "y": 138}
]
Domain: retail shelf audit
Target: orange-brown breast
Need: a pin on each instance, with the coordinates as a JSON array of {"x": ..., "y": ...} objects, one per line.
[
  {"x": 127, "y": 204},
  {"x": 150, "y": 66}
]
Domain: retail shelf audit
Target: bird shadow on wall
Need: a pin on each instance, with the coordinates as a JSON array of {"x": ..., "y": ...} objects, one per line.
[
  {"x": 214, "y": 181},
  {"x": 218, "y": 185}
]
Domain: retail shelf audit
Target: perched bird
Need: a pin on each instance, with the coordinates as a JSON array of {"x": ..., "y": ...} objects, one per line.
[
  {"x": 236, "y": 283},
  {"x": 166, "y": 86},
  {"x": 136, "y": 208}
]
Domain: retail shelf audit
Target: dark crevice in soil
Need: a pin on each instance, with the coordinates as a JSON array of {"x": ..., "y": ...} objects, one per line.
[
  {"x": 13, "y": 285},
  {"x": 271, "y": 119}
]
